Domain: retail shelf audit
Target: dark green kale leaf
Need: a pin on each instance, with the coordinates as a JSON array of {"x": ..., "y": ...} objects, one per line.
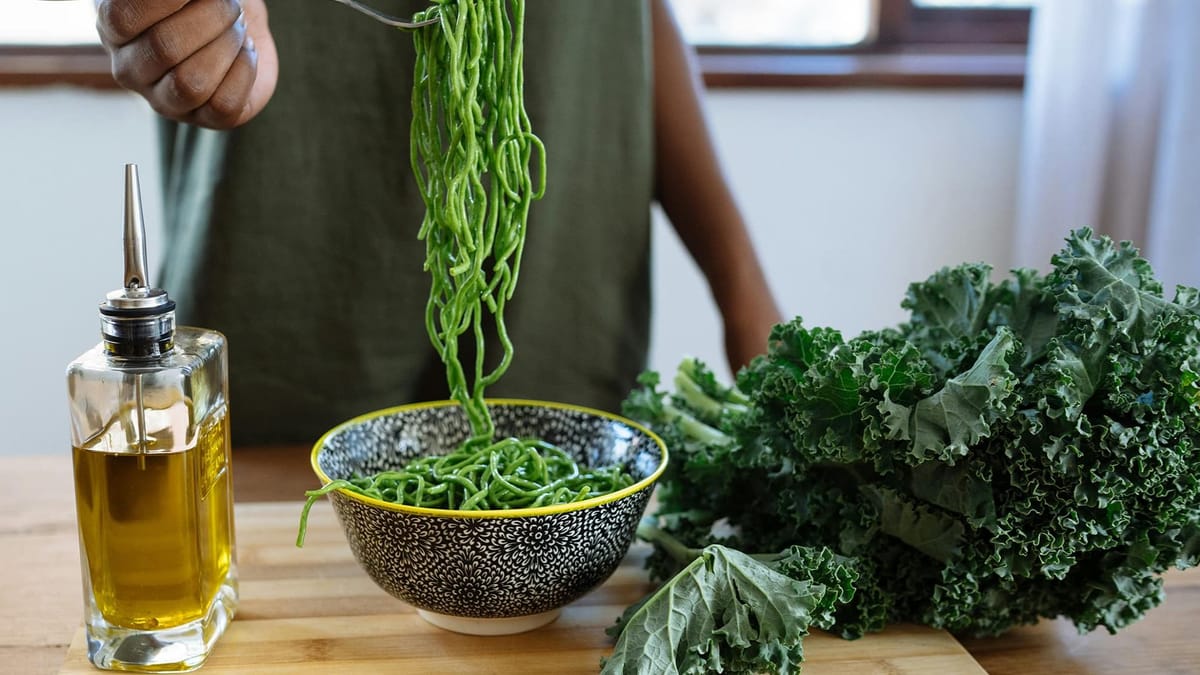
[{"x": 947, "y": 424}]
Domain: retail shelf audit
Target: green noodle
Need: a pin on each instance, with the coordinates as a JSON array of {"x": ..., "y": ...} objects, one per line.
[
  {"x": 472, "y": 148},
  {"x": 507, "y": 474}
]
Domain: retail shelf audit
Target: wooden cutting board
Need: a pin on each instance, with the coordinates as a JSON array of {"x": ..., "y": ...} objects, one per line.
[{"x": 313, "y": 610}]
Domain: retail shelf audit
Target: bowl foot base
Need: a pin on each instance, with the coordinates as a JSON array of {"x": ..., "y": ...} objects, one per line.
[{"x": 474, "y": 626}]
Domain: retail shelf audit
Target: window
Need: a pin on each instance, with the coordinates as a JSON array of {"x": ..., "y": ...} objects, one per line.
[
  {"x": 776, "y": 23},
  {"x": 46, "y": 22},
  {"x": 961, "y": 22},
  {"x": 924, "y": 43},
  {"x": 823, "y": 24}
]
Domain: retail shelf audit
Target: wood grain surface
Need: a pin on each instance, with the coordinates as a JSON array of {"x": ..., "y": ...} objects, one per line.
[
  {"x": 313, "y": 610},
  {"x": 41, "y": 607}
]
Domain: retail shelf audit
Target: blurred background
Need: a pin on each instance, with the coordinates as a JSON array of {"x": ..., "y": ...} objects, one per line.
[{"x": 869, "y": 143}]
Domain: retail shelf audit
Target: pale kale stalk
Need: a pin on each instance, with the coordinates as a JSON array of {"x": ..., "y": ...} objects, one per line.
[{"x": 1016, "y": 450}]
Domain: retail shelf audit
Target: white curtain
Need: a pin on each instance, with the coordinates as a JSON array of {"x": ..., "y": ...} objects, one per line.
[{"x": 1112, "y": 131}]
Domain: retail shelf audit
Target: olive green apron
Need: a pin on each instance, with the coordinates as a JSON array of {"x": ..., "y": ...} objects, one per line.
[{"x": 295, "y": 234}]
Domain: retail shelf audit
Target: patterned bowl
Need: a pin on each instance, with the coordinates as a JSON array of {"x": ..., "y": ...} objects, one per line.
[{"x": 489, "y": 572}]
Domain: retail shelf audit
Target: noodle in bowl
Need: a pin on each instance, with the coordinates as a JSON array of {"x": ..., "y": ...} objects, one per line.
[{"x": 489, "y": 571}]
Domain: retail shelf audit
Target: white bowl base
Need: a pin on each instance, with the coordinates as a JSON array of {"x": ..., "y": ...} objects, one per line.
[{"x": 474, "y": 626}]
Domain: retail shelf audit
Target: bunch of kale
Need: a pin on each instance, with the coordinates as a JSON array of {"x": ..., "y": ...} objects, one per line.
[{"x": 1016, "y": 450}]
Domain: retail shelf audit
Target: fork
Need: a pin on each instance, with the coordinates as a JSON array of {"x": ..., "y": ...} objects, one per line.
[{"x": 387, "y": 19}]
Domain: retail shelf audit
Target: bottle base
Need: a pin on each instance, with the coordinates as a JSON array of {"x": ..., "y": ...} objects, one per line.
[{"x": 179, "y": 649}]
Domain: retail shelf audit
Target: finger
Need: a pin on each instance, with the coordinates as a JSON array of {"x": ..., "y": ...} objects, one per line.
[
  {"x": 120, "y": 21},
  {"x": 225, "y": 107},
  {"x": 266, "y": 74},
  {"x": 144, "y": 60},
  {"x": 191, "y": 84}
]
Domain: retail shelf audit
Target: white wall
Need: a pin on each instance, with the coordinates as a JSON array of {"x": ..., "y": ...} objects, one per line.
[
  {"x": 62, "y": 154},
  {"x": 851, "y": 195}
]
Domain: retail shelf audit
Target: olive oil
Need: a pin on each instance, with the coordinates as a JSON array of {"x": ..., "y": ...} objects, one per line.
[
  {"x": 156, "y": 556},
  {"x": 153, "y": 493}
]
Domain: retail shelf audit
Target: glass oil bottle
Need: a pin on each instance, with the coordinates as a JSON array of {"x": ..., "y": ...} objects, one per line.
[{"x": 150, "y": 436}]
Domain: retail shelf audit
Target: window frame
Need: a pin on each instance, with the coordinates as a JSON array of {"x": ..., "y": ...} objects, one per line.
[
  {"x": 910, "y": 46},
  {"x": 902, "y": 22},
  {"x": 37, "y": 65}
]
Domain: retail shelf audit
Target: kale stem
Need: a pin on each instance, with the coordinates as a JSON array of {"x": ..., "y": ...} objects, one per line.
[{"x": 678, "y": 551}]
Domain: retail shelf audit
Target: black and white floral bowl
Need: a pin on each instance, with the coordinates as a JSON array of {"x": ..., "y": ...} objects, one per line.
[{"x": 489, "y": 572}]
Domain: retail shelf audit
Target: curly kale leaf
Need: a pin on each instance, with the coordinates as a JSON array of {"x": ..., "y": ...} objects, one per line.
[
  {"x": 1024, "y": 304},
  {"x": 950, "y": 305},
  {"x": 1109, "y": 287},
  {"x": 961, "y": 414}
]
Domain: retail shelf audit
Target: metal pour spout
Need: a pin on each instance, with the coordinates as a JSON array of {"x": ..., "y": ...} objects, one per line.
[
  {"x": 136, "y": 275},
  {"x": 136, "y": 320}
]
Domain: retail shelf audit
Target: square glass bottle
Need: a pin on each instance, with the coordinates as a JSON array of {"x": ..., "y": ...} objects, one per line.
[{"x": 153, "y": 492}]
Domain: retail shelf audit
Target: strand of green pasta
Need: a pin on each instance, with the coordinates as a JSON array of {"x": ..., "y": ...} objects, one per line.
[{"x": 472, "y": 147}]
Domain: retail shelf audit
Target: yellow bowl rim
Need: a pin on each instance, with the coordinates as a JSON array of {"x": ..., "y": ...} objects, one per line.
[{"x": 493, "y": 513}]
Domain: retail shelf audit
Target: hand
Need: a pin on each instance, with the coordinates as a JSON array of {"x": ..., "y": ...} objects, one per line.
[{"x": 206, "y": 62}]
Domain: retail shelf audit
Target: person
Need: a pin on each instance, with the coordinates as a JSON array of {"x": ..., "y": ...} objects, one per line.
[{"x": 291, "y": 211}]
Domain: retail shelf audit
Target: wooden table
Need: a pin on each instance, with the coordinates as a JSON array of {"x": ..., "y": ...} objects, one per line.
[{"x": 40, "y": 604}]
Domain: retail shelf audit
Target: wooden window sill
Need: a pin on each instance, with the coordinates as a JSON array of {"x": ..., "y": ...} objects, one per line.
[
  {"x": 88, "y": 66},
  {"x": 81, "y": 65}
]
